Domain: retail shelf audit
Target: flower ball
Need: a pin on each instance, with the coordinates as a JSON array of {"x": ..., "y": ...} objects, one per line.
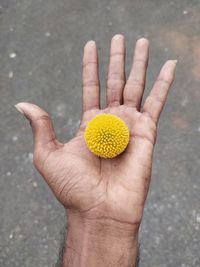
[{"x": 106, "y": 135}]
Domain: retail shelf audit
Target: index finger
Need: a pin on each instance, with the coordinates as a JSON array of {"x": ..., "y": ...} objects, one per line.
[
  {"x": 90, "y": 77},
  {"x": 155, "y": 102}
]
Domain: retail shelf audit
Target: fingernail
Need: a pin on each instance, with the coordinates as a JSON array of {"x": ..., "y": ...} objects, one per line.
[
  {"x": 19, "y": 109},
  {"x": 175, "y": 61},
  {"x": 118, "y": 37},
  {"x": 143, "y": 40},
  {"x": 91, "y": 43}
]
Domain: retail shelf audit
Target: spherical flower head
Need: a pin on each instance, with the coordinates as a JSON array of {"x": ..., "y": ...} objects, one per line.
[{"x": 106, "y": 135}]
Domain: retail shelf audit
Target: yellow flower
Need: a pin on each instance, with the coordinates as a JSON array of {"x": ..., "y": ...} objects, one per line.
[{"x": 106, "y": 135}]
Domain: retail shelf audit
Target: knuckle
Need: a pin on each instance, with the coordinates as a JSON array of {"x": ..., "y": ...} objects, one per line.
[
  {"x": 116, "y": 75},
  {"x": 89, "y": 64},
  {"x": 44, "y": 117},
  {"x": 116, "y": 54},
  {"x": 156, "y": 97},
  {"x": 165, "y": 80},
  {"x": 115, "y": 84},
  {"x": 140, "y": 61},
  {"x": 90, "y": 83},
  {"x": 134, "y": 83}
]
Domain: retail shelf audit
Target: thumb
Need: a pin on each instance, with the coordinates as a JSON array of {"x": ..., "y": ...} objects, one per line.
[{"x": 42, "y": 127}]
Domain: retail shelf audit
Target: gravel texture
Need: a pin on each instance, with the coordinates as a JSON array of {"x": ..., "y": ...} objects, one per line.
[{"x": 41, "y": 44}]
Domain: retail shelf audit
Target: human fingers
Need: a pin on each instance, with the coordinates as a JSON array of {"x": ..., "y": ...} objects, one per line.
[
  {"x": 116, "y": 71},
  {"x": 90, "y": 76},
  {"x": 44, "y": 135},
  {"x": 135, "y": 84},
  {"x": 155, "y": 102}
]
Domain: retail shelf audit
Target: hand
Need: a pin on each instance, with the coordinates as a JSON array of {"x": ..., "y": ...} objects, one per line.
[{"x": 105, "y": 191}]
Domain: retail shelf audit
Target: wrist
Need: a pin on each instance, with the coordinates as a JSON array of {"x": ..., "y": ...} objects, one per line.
[{"x": 102, "y": 242}]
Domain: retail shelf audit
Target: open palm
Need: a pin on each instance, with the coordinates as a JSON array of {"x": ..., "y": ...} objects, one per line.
[{"x": 95, "y": 187}]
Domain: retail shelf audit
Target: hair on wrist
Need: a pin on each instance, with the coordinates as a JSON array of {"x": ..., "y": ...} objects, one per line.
[{"x": 59, "y": 262}]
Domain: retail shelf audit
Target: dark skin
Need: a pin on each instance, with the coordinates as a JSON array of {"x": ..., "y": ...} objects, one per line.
[{"x": 104, "y": 198}]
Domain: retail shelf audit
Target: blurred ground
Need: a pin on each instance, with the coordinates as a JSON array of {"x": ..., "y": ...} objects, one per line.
[{"x": 41, "y": 45}]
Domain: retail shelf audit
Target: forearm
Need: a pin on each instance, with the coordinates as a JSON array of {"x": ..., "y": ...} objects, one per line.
[{"x": 103, "y": 243}]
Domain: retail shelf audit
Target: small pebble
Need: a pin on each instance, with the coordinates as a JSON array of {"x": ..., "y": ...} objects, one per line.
[
  {"x": 198, "y": 218},
  {"x": 13, "y": 55},
  {"x": 185, "y": 12},
  {"x": 169, "y": 228},
  {"x": 8, "y": 174},
  {"x": 47, "y": 34},
  {"x": 10, "y": 75},
  {"x": 15, "y": 138},
  {"x": 35, "y": 184},
  {"x": 30, "y": 156}
]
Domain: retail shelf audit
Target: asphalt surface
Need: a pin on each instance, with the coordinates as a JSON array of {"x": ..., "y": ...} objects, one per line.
[{"x": 41, "y": 45}]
